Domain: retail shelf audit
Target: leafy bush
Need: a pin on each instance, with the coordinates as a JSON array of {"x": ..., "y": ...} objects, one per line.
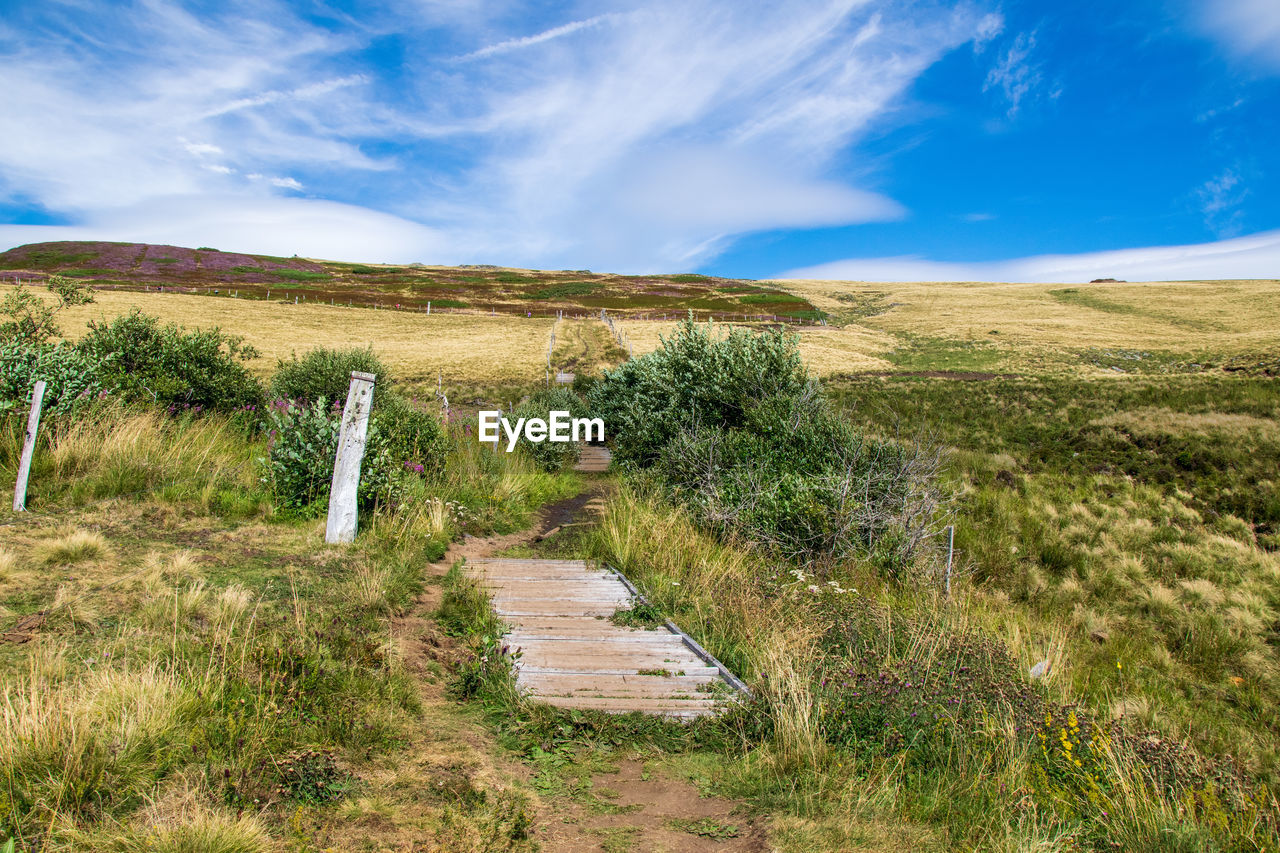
[
  {"x": 302, "y": 443},
  {"x": 73, "y": 378},
  {"x": 734, "y": 429},
  {"x": 197, "y": 370},
  {"x": 695, "y": 378},
  {"x": 325, "y": 373},
  {"x": 31, "y": 320}
]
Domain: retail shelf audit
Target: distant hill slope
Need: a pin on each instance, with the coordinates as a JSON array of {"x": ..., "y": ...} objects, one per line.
[{"x": 489, "y": 288}]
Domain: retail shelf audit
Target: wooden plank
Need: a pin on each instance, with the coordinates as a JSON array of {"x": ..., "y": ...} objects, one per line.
[{"x": 571, "y": 655}]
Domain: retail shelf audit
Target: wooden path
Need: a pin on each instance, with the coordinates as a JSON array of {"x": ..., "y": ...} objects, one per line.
[
  {"x": 574, "y": 657},
  {"x": 593, "y": 459}
]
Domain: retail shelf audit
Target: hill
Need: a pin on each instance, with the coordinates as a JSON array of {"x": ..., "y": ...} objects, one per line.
[{"x": 484, "y": 288}]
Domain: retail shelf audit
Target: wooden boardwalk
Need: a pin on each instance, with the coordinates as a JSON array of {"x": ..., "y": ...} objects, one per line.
[
  {"x": 593, "y": 459},
  {"x": 572, "y": 656}
]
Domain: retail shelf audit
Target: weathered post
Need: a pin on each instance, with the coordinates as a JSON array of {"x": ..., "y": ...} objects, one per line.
[
  {"x": 341, "y": 525},
  {"x": 28, "y": 448}
]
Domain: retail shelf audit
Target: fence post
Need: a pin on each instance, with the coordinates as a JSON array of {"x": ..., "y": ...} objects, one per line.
[
  {"x": 28, "y": 448},
  {"x": 343, "y": 492}
]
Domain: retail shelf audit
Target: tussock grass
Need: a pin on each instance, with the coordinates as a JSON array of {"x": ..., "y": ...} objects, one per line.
[{"x": 77, "y": 546}]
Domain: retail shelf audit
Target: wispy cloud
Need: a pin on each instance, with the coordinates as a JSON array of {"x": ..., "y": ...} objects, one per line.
[
  {"x": 1255, "y": 256},
  {"x": 1250, "y": 29},
  {"x": 1015, "y": 75},
  {"x": 1220, "y": 198},
  {"x": 544, "y": 36}
]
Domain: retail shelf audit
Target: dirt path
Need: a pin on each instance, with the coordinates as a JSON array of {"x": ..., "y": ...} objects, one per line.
[{"x": 630, "y": 805}]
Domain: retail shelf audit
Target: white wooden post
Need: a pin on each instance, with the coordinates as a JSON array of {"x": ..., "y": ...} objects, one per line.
[
  {"x": 428, "y": 307},
  {"x": 28, "y": 448},
  {"x": 341, "y": 526}
]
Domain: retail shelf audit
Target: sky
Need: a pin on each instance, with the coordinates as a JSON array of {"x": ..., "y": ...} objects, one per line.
[{"x": 849, "y": 139}]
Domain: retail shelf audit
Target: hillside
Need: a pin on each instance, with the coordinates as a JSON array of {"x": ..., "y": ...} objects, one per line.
[{"x": 484, "y": 288}]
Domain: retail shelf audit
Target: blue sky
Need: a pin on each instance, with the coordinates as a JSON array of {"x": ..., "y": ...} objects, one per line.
[{"x": 862, "y": 140}]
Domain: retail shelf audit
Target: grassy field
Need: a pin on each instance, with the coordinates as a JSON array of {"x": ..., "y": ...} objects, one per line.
[
  {"x": 1090, "y": 328},
  {"x": 469, "y": 349},
  {"x": 1111, "y": 451}
]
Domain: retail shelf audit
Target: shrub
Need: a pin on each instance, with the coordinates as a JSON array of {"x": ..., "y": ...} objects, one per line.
[
  {"x": 326, "y": 373},
  {"x": 302, "y": 440},
  {"x": 695, "y": 378},
  {"x": 197, "y": 370},
  {"x": 735, "y": 430},
  {"x": 72, "y": 376},
  {"x": 31, "y": 320}
]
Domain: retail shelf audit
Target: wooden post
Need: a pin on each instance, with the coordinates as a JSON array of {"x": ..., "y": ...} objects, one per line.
[
  {"x": 28, "y": 448},
  {"x": 428, "y": 307},
  {"x": 341, "y": 526}
]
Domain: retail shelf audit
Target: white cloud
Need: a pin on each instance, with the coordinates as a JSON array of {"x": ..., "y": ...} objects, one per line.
[
  {"x": 649, "y": 142},
  {"x": 1255, "y": 256},
  {"x": 1014, "y": 74},
  {"x": 1249, "y": 28}
]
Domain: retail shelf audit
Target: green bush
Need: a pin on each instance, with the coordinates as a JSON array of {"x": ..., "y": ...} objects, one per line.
[
  {"x": 735, "y": 430},
  {"x": 73, "y": 378},
  {"x": 695, "y": 378},
  {"x": 402, "y": 443},
  {"x": 302, "y": 441},
  {"x": 325, "y": 373},
  {"x": 199, "y": 370}
]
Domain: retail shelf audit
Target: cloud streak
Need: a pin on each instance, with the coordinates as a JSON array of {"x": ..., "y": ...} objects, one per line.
[{"x": 1254, "y": 257}]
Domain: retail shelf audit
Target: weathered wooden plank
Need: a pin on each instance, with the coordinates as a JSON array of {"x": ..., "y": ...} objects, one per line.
[{"x": 570, "y": 653}]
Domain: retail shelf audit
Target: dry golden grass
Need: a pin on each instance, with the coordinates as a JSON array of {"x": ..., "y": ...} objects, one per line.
[
  {"x": 1226, "y": 317},
  {"x": 417, "y": 347},
  {"x": 1161, "y": 421}
]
